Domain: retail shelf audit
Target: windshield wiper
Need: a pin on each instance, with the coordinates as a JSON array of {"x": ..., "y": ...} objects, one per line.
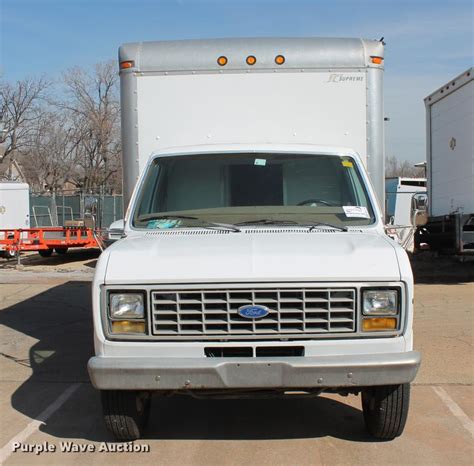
[
  {"x": 204, "y": 223},
  {"x": 267, "y": 221},
  {"x": 313, "y": 226}
]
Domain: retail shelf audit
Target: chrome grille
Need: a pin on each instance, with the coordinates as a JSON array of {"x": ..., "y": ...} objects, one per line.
[{"x": 213, "y": 313}]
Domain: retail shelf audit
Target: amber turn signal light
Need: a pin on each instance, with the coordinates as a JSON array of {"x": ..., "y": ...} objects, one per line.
[
  {"x": 221, "y": 61},
  {"x": 128, "y": 326},
  {"x": 127, "y": 64},
  {"x": 377, "y": 60},
  {"x": 379, "y": 323}
]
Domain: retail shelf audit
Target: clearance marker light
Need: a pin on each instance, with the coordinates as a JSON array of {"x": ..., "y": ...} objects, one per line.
[
  {"x": 279, "y": 59},
  {"x": 377, "y": 60},
  {"x": 251, "y": 60},
  {"x": 222, "y": 61},
  {"x": 127, "y": 64}
]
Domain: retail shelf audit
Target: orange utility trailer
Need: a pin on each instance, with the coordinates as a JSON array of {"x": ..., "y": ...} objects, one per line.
[{"x": 45, "y": 240}]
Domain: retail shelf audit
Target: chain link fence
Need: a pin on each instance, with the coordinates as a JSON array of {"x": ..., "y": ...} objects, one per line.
[{"x": 59, "y": 209}]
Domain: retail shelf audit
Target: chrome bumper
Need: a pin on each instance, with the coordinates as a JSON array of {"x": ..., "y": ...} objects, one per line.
[{"x": 224, "y": 373}]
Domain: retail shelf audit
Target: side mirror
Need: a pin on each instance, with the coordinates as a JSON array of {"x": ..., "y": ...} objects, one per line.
[
  {"x": 115, "y": 231},
  {"x": 419, "y": 209}
]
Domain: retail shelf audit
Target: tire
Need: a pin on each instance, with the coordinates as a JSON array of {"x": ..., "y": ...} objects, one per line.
[
  {"x": 10, "y": 254},
  {"x": 45, "y": 252},
  {"x": 125, "y": 413},
  {"x": 61, "y": 250},
  {"x": 385, "y": 410}
]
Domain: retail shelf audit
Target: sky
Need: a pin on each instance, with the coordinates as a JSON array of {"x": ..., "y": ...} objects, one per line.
[{"x": 429, "y": 42}]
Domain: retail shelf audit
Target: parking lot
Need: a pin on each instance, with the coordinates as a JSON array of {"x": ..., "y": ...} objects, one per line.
[{"x": 47, "y": 400}]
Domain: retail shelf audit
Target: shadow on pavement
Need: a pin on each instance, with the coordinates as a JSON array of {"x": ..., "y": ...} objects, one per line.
[
  {"x": 61, "y": 322},
  {"x": 429, "y": 269}
]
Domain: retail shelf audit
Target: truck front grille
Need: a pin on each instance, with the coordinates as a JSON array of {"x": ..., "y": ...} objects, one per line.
[{"x": 212, "y": 314}]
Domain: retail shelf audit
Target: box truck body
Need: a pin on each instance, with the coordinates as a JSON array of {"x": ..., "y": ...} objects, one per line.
[
  {"x": 14, "y": 206},
  {"x": 254, "y": 258},
  {"x": 324, "y": 93},
  {"x": 450, "y": 165}
]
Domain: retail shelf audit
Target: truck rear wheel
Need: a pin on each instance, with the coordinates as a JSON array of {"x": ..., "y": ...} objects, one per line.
[
  {"x": 385, "y": 410},
  {"x": 125, "y": 413},
  {"x": 61, "y": 250}
]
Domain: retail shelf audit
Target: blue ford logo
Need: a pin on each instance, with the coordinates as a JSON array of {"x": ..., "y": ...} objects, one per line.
[{"x": 253, "y": 311}]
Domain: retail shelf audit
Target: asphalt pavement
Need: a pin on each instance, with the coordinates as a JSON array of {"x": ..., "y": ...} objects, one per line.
[{"x": 50, "y": 414}]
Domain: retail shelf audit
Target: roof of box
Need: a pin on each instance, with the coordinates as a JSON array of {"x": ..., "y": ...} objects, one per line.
[
  {"x": 300, "y": 53},
  {"x": 449, "y": 87}
]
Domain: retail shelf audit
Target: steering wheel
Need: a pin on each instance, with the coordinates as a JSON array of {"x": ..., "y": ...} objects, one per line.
[{"x": 314, "y": 201}]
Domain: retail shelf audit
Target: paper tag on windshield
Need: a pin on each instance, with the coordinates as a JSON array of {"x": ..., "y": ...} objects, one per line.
[
  {"x": 356, "y": 211},
  {"x": 260, "y": 162}
]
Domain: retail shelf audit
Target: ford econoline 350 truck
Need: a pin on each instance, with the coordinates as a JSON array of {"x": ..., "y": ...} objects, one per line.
[{"x": 254, "y": 259}]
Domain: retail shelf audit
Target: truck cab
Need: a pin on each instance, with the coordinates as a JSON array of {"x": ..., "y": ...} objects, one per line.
[{"x": 250, "y": 266}]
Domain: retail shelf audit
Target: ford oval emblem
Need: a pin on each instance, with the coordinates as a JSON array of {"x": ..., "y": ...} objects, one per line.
[{"x": 253, "y": 311}]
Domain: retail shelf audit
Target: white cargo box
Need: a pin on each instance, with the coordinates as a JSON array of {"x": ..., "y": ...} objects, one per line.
[
  {"x": 326, "y": 92},
  {"x": 14, "y": 205},
  {"x": 450, "y": 155}
]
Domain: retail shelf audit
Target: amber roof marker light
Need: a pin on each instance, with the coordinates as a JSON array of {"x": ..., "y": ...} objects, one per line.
[
  {"x": 377, "y": 60},
  {"x": 251, "y": 60},
  {"x": 222, "y": 61},
  {"x": 127, "y": 64},
  {"x": 279, "y": 59}
]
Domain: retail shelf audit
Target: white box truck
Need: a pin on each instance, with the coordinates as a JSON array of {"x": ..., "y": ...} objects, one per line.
[
  {"x": 14, "y": 209},
  {"x": 254, "y": 260},
  {"x": 450, "y": 166}
]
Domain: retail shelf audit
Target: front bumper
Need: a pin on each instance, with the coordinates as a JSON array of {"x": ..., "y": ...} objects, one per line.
[{"x": 225, "y": 373}]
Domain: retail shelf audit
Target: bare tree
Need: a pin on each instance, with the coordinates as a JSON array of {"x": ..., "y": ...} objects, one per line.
[
  {"x": 92, "y": 107},
  {"x": 395, "y": 168},
  {"x": 20, "y": 109},
  {"x": 53, "y": 152}
]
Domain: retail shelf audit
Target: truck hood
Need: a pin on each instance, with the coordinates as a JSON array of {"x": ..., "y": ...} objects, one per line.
[{"x": 250, "y": 256}]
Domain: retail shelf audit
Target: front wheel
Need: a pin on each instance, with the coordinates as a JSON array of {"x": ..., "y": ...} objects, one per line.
[
  {"x": 385, "y": 410},
  {"x": 125, "y": 413}
]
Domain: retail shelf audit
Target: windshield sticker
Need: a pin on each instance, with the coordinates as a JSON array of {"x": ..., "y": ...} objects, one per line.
[
  {"x": 347, "y": 163},
  {"x": 260, "y": 162},
  {"x": 356, "y": 211},
  {"x": 163, "y": 223}
]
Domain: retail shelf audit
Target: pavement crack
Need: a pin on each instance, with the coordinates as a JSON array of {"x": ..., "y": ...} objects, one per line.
[{"x": 22, "y": 362}]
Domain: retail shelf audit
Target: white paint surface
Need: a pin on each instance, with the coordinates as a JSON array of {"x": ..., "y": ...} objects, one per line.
[
  {"x": 462, "y": 417},
  {"x": 452, "y": 154},
  {"x": 14, "y": 205},
  {"x": 268, "y": 108},
  {"x": 34, "y": 425}
]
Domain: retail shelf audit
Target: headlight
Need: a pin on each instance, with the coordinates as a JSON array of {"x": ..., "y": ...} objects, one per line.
[
  {"x": 126, "y": 306},
  {"x": 380, "y": 302}
]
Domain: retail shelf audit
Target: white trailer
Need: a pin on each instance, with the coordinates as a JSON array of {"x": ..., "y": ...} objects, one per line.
[
  {"x": 14, "y": 206},
  {"x": 450, "y": 165},
  {"x": 400, "y": 193},
  {"x": 254, "y": 258}
]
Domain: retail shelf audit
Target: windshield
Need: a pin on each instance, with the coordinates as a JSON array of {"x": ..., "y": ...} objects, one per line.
[{"x": 246, "y": 189}]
